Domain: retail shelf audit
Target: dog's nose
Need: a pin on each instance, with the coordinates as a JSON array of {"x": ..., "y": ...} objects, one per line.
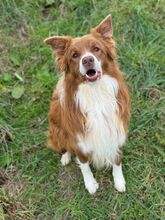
[{"x": 88, "y": 61}]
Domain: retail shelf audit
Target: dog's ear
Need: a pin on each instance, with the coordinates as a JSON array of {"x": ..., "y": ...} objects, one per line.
[
  {"x": 59, "y": 43},
  {"x": 105, "y": 28}
]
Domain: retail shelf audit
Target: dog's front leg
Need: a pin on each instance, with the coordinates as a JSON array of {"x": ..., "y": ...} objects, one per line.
[
  {"x": 119, "y": 180},
  {"x": 90, "y": 183}
]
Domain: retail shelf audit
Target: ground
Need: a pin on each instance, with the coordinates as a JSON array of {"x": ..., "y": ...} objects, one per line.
[{"x": 33, "y": 184}]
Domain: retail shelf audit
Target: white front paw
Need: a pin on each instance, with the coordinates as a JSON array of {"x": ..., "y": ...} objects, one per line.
[
  {"x": 91, "y": 186},
  {"x": 120, "y": 185}
]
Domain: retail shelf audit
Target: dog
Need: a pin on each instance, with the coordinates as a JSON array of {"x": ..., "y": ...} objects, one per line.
[{"x": 90, "y": 108}]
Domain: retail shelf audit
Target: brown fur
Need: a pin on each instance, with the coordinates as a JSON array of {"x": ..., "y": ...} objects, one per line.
[{"x": 66, "y": 121}]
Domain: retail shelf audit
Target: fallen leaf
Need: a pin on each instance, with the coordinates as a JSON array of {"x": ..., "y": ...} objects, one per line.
[{"x": 18, "y": 91}]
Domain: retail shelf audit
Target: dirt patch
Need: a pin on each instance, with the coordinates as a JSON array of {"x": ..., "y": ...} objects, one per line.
[
  {"x": 68, "y": 181},
  {"x": 11, "y": 187},
  {"x": 61, "y": 6},
  {"x": 5, "y": 65},
  {"x": 3, "y": 178},
  {"x": 13, "y": 184},
  {"x": 154, "y": 93}
]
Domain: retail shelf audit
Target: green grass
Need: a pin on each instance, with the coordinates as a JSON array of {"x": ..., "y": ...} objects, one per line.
[{"x": 33, "y": 183}]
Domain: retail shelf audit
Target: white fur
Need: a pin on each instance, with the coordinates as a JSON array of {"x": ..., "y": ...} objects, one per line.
[
  {"x": 118, "y": 178},
  {"x": 97, "y": 64},
  {"x": 105, "y": 133},
  {"x": 90, "y": 183},
  {"x": 65, "y": 159}
]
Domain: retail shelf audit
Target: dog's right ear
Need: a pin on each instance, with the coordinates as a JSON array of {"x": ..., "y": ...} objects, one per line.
[{"x": 59, "y": 43}]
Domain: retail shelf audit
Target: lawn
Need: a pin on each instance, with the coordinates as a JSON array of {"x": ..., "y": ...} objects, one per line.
[{"x": 33, "y": 184}]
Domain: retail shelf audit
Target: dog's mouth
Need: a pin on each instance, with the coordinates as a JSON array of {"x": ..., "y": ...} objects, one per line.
[{"x": 92, "y": 75}]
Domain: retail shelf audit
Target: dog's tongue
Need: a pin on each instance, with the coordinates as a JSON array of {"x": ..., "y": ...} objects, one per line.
[
  {"x": 91, "y": 72},
  {"x": 91, "y": 75}
]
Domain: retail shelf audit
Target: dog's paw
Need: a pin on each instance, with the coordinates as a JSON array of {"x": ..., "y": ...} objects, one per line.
[
  {"x": 65, "y": 159},
  {"x": 120, "y": 185},
  {"x": 92, "y": 186}
]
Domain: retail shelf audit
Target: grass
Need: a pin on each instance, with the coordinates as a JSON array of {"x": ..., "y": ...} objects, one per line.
[{"x": 33, "y": 183}]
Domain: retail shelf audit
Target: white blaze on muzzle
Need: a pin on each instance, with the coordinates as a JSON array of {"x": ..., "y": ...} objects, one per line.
[{"x": 96, "y": 65}]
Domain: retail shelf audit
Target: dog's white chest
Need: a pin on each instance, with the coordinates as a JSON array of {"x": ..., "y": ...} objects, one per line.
[{"x": 104, "y": 134}]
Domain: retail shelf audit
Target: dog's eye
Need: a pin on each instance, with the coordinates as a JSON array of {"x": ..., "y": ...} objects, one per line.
[
  {"x": 96, "y": 49},
  {"x": 75, "y": 55}
]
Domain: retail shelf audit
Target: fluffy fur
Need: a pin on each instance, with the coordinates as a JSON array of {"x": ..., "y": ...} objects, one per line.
[
  {"x": 104, "y": 131},
  {"x": 89, "y": 113}
]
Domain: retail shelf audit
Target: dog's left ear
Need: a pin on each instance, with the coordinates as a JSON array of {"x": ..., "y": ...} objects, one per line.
[{"x": 105, "y": 28}]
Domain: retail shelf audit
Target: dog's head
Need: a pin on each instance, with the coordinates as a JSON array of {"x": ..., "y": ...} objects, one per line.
[{"x": 87, "y": 57}]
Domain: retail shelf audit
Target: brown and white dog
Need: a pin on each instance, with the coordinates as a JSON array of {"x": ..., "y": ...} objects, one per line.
[{"x": 90, "y": 109}]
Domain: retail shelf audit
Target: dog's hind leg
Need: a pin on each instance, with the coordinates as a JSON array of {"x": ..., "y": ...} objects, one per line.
[
  {"x": 66, "y": 158},
  {"x": 90, "y": 183}
]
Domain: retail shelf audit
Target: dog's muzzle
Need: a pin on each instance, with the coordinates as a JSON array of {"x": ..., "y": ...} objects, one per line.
[{"x": 90, "y": 67}]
